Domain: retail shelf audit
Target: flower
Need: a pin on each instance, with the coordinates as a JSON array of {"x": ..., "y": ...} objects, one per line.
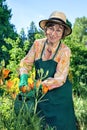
[
  {"x": 12, "y": 86},
  {"x": 13, "y": 95},
  {"x": 9, "y": 84},
  {"x": 38, "y": 83},
  {"x": 23, "y": 89},
  {"x": 5, "y": 72},
  {"x": 44, "y": 89},
  {"x": 30, "y": 83}
]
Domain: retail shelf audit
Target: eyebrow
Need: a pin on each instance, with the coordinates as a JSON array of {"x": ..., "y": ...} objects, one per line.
[{"x": 59, "y": 26}]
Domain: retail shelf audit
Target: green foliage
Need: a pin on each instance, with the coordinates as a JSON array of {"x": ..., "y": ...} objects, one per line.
[
  {"x": 80, "y": 30},
  {"x": 16, "y": 53},
  {"x": 6, "y": 29},
  {"x": 31, "y": 32},
  {"x": 38, "y": 36},
  {"x": 10, "y": 121},
  {"x": 81, "y": 112},
  {"x": 6, "y": 111},
  {"x": 34, "y": 33},
  {"x": 25, "y": 119},
  {"x": 23, "y": 35},
  {"x": 78, "y": 65}
]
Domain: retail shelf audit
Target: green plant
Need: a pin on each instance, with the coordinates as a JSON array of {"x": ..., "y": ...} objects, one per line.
[{"x": 81, "y": 111}]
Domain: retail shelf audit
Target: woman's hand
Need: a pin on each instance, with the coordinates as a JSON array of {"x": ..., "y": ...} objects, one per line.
[{"x": 23, "y": 80}]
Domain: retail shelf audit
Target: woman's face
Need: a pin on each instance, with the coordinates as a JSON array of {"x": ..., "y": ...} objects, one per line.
[{"x": 54, "y": 33}]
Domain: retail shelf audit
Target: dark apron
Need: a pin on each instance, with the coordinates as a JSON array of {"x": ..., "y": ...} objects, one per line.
[{"x": 58, "y": 109}]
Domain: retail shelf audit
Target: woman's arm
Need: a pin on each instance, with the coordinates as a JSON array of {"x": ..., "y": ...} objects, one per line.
[{"x": 27, "y": 62}]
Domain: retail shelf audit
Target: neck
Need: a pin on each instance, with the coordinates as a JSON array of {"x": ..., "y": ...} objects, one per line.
[{"x": 53, "y": 44}]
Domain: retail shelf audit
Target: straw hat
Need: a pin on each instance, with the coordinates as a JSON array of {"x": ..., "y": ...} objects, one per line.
[{"x": 60, "y": 18}]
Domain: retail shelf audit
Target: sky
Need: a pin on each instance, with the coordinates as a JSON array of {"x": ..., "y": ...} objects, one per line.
[{"x": 25, "y": 11}]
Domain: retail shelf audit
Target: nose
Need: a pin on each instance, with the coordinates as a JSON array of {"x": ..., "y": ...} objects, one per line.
[{"x": 54, "y": 32}]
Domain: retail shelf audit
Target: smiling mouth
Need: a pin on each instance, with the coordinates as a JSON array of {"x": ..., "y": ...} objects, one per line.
[{"x": 52, "y": 38}]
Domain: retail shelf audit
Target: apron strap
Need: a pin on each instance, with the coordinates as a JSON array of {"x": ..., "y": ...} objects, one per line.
[
  {"x": 55, "y": 51},
  {"x": 43, "y": 49}
]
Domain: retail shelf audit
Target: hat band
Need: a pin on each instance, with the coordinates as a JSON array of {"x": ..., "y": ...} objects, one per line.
[{"x": 56, "y": 19}]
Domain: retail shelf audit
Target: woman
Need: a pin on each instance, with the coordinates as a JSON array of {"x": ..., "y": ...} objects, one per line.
[{"x": 53, "y": 56}]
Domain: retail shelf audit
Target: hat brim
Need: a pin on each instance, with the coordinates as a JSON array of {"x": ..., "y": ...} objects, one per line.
[{"x": 67, "y": 31}]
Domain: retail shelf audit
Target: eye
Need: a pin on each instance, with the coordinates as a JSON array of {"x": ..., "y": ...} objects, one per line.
[
  {"x": 58, "y": 30},
  {"x": 50, "y": 28}
]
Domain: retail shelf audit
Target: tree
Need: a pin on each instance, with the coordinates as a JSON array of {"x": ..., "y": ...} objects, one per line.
[
  {"x": 40, "y": 34},
  {"x": 23, "y": 35},
  {"x": 31, "y": 32},
  {"x": 16, "y": 53},
  {"x": 6, "y": 28},
  {"x": 79, "y": 34},
  {"x": 78, "y": 66}
]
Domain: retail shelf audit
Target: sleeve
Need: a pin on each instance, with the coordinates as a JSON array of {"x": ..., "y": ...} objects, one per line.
[
  {"x": 61, "y": 71},
  {"x": 27, "y": 62}
]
